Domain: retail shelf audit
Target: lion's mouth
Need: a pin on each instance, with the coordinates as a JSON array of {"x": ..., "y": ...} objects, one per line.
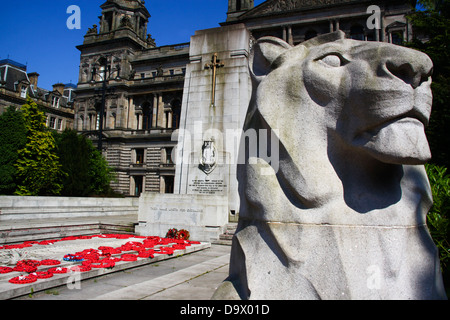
[{"x": 418, "y": 116}]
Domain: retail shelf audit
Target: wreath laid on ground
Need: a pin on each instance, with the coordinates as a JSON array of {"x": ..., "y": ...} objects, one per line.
[
  {"x": 172, "y": 233},
  {"x": 4, "y": 270},
  {"x": 23, "y": 279},
  {"x": 178, "y": 234},
  {"x": 49, "y": 262},
  {"x": 58, "y": 270},
  {"x": 72, "y": 257},
  {"x": 183, "y": 235}
]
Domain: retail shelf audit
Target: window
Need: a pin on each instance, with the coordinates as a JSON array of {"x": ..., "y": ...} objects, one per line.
[
  {"x": 169, "y": 184},
  {"x": 397, "y": 37},
  {"x": 142, "y": 75},
  {"x": 147, "y": 116},
  {"x": 140, "y": 156},
  {"x": 55, "y": 102},
  {"x": 23, "y": 92},
  {"x": 238, "y": 5},
  {"x": 59, "y": 124},
  {"x": 138, "y": 185},
  {"x": 52, "y": 123},
  {"x": 310, "y": 34},
  {"x": 169, "y": 156},
  {"x": 357, "y": 32},
  {"x": 176, "y": 113}
]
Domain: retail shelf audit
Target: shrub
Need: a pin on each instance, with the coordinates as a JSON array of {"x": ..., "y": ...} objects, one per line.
[{"x": 438, "y": 217}]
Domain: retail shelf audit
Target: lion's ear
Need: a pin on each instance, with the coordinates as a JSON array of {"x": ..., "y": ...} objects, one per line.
[{"x": 265, "y": 51}]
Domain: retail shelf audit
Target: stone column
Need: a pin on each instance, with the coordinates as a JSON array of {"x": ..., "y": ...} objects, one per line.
[
  {"x": 160, "y": 117},
  {"x": 383, "y": 29},
  {"x": 170, "y": 119},
  {"x": 128, "y": 114},
  {"x": 155, "y": 111},
  {"x": 113, "y": 26},
  {"x": 290, "y": 38}
]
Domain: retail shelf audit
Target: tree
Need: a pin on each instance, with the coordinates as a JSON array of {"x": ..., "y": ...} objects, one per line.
[
  {"x": 75, "y": 152},
  {"x": 101, "y": 173},
  {"x": 86, "y": 171},
  {"x": 38, "y": 168},
  {"x": 431, "y": 22},
  {"x": 12, "y": 138}
]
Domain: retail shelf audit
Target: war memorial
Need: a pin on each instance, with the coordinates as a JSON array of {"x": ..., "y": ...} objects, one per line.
[{"x": 298, "y": 119}]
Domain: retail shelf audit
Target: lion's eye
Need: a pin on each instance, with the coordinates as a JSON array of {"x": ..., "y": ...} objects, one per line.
[{"x": 333, "y": 60}]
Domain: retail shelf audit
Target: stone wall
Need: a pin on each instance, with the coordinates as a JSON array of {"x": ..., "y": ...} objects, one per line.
[{"x": 29, "y": 208}]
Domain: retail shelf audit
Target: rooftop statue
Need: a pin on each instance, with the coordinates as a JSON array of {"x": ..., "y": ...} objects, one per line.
[{"x": 343, "y": 213}]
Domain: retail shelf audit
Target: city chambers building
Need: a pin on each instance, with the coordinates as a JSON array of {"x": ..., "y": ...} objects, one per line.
[
  {"x": 16, "y": 85},
  {"x": 130, "y": 91}
]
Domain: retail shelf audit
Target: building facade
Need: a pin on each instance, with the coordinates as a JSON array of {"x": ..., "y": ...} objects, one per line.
[
  {"x": 142, "y": 97},
  {"x": 16, "y": 85},
  {"x": 130, "y": 91},
  {"x": 298, "y": 20}
]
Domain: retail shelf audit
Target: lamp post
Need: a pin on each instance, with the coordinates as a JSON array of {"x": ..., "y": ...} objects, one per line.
[{"x": 103, "y": 62}]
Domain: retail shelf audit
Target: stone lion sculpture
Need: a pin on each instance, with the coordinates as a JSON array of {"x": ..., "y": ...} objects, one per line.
[{"x": 343, "y": 214}]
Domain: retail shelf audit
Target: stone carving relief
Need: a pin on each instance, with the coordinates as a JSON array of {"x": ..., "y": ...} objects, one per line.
[
  {"x": 343, "y": 214},
  {"x": 208, "y": 161}
]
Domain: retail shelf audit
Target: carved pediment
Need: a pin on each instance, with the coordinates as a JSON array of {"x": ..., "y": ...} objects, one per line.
[{"x": 280, "y": 6}]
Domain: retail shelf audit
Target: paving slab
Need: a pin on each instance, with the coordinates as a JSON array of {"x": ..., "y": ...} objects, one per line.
[{"x": 180, "y": 279}]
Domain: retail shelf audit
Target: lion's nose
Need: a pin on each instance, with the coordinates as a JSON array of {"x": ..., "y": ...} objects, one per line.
[{"x": 411, "y": 66}]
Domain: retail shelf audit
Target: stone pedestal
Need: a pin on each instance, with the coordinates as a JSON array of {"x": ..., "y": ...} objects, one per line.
[
  {"x": 216, "y": 95},
  {"x": 202, "y": 215},
  {"x": 208, "y": 142}
]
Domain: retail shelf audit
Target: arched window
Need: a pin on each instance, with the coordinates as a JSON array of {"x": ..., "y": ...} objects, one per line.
[
  {"x": 357, "y": 32},
  {"x": 311, "y": 33}
]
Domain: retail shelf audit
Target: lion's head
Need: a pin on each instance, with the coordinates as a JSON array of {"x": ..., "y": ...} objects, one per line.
[{"x": 342, "y": 108}]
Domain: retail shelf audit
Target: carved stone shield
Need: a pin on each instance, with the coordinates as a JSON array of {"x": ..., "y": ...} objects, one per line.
[{"x": 208, "y": 161}]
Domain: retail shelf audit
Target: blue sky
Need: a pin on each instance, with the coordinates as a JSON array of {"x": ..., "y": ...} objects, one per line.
[{"x": 34, "y": 32}]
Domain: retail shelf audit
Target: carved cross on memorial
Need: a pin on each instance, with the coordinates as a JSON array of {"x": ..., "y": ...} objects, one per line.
[{"x": 214, "y": 65}]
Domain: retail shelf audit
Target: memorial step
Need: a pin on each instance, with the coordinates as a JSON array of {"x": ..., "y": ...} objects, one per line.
[
  {"x": 227, "y": 237},
  {"x": 37, "y": 230}
]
